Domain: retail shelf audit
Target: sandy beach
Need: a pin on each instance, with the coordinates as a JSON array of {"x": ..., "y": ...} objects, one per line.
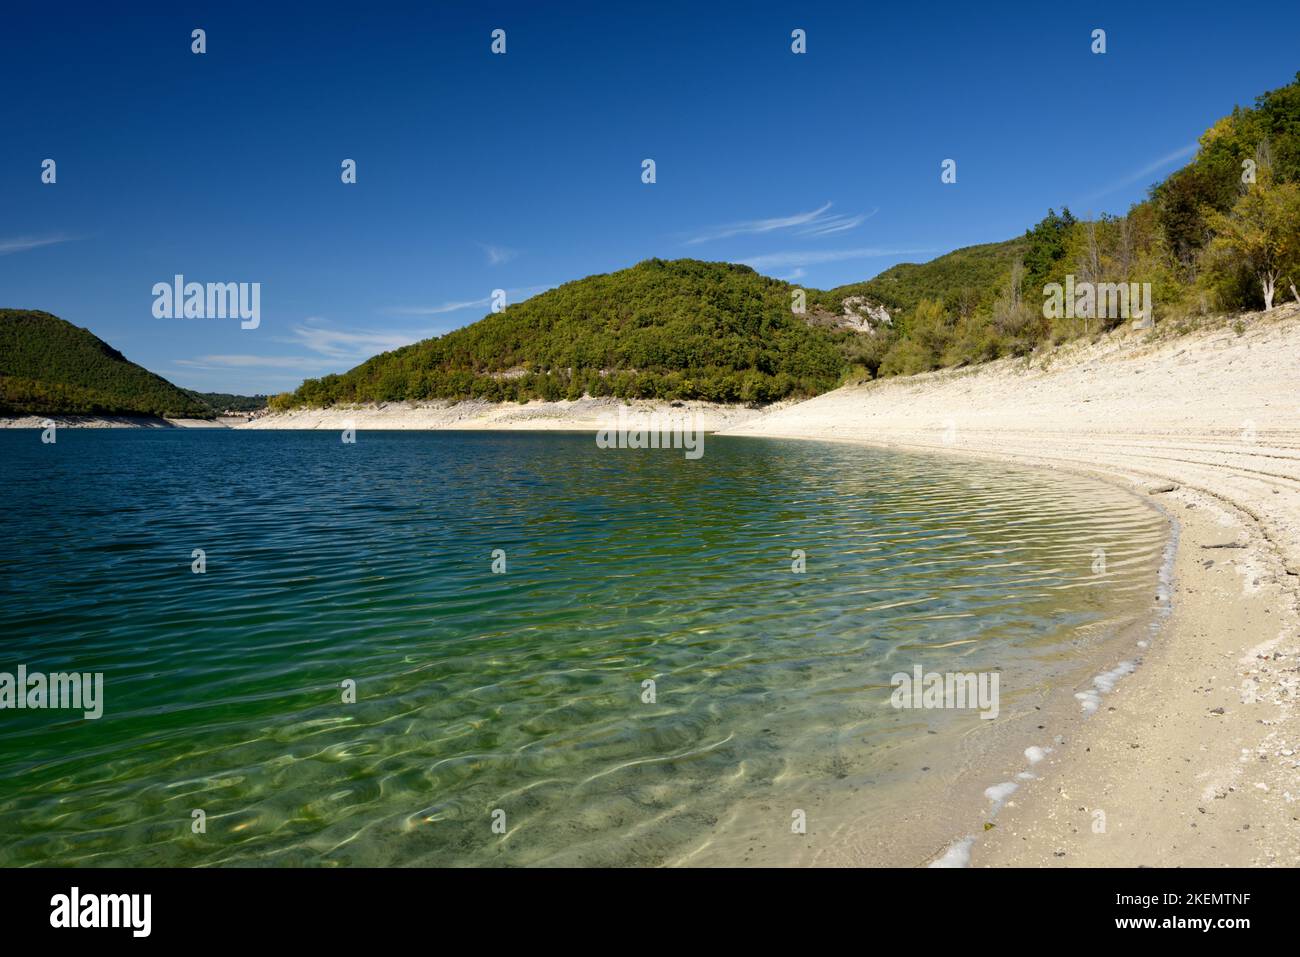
[
  {"x": 581, "y": 415},
  {"x": 117, "y": 422},
  {"x": 1195, "y": 758}
]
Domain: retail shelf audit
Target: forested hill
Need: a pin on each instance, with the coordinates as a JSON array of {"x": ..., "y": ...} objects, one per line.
[
  {"x": 974, "y": 273},
  {"x": 1220, "y": 235},
  {"x": 679, "y": 329},
  {"x": 226, "y": 402},
  {"x": 51, "y": 367}
]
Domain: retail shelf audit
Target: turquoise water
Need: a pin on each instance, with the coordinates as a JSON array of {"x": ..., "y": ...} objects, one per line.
[{"x": 520, "y": 693}]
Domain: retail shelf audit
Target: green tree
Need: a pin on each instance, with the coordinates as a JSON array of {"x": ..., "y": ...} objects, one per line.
[
  {"x": 1047, "y": 244},
  {"x": 1260, "y": 234}
]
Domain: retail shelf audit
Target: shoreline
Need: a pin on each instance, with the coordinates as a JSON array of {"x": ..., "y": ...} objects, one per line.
[
  {"x": 565, "y": 415},
  {"x": 69, "y": 421},
  {"x": 910, "y": 823},
  {"x": 1191, "y": 759}
]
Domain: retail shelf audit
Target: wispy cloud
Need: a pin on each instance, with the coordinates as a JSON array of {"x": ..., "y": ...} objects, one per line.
[
  {"x": 498, "y": 254},
  {"x": 329, "y": 348},
  {"x": 512, "y": 296},
  {"x": 812, "y": 221},
  {"x": 327, "y": 340},
  {"x": 21, "y": 244},
  {"x": 303, "y": 363},
  {"x": 799, "y": 258},
  {"x": 826, "y": 225},
  {"x": 440, "y": 310},
  {"x": 1138, "y": 176}
]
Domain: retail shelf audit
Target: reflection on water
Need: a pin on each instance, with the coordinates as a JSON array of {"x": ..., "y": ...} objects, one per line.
[{"x": 522, "y": 692}]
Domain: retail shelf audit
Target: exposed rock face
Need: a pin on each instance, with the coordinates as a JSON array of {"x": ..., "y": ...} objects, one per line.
[{"x": 862, "y": 315}]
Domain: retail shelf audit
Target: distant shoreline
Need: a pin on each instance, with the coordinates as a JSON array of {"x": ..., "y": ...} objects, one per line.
[
  {"x": 115, "y": 422},
  {"x": 581, "y": 415}
]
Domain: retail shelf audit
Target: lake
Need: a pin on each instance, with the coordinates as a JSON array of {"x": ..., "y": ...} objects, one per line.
[{"x": 652, "y": 674}]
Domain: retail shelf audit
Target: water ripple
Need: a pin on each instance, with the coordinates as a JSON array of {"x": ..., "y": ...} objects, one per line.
[{"x": 524, "y": 693}]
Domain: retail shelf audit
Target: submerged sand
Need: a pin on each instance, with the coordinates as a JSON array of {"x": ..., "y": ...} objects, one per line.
[{"x": 1194, "y": 759}]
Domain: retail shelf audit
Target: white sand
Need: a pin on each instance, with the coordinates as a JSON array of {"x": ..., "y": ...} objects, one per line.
[
  {"x": 1195, "y": 758},
  {"x": 1178, "y": 781},
  {"x": 582, "y": 415},
  {"x": 88, "y": 422}
]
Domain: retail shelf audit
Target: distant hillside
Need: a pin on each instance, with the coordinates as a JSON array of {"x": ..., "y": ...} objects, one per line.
[
  {"x": 1210, "y": 237},
  {"x": 974, "y": 272},
  {"x": 679, "y": 329},
  {"x": 226, "y": 402},
  {"x": 1221, "y": 235},
  {"x": 49, "y": 366}
]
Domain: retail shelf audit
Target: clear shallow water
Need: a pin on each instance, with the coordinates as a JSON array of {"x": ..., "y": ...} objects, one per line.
[{"x": 523, "y": 691}]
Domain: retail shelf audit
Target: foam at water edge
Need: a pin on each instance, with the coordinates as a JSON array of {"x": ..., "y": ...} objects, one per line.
[
  {"x": 998, "y": 793},
  {"x": 1035, "y": 754},
  {"x": 956, "y": 856},
  {"x": 1104, "y": 683}
]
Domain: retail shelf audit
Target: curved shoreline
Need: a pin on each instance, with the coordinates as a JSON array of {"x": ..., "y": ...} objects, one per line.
[
  {"x": 1196, "y": 764},
  {"x": 1198, "y": 760},
  {"x": 1149, "y": 630}
]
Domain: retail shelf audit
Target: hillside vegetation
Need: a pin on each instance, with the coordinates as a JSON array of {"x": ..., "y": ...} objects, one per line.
[
  {"x": 668, "y": 330},
  {"x": 1222, "y": 234},
  {"x": 226, "y": 402},
  {"x": 49, "y": 366}
]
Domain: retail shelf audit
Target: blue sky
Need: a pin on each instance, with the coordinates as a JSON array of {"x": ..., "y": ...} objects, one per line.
[{"x": 522, "y": 171}]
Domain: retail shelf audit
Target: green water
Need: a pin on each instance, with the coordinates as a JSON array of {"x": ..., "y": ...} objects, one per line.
[{"x": 520, "y": 693}]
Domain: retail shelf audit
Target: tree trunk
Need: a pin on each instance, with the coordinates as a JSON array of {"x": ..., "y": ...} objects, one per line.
[{"x": 1268, "y": 280}]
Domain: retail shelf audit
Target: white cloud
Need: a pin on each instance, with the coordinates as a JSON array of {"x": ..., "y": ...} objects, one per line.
[
  {"x": 1137, "y": 176},
  {"x": 341, "y": 344},
  {"x": 304, "y": 363},
  {"x": 498, "y": 254},
  {"x": 330, "y": 348},
  {"x": 814, "y": 257},
  {"x": 755, "y": 226},
  {"x": 512, "y": 296},
  {"x": 836, "y": 224},
  {"x": 440, "y": 310},
  {"x": 21, "y": 244}
]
